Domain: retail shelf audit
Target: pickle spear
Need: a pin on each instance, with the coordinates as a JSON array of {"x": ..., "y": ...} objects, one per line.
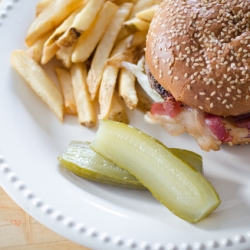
[
  {"x": 183, "y": 190},
  {"x": 190, "y": 157},
  {"x": 80, "y": 159}
]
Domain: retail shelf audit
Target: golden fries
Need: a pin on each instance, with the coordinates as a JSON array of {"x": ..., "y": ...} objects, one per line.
[
  {"x": 144, "y": 101},
  {"x": 104, "y": 48},
  {"x": 106, "y": 90},
  {"x": 49, "y": 19},
  {"x": 64, "y": 55},
  {"x": 39, "y": 81},
  {"x": 42, "y": 4},
  {"x": 129, "y": 55},
  {"x": 81, "y": 23},
  {"x": 127, "y": 88},
  {"x": 64, "y": 79},
  {"x": 141, "y": 5},
  {"x": 85, "y": 107},
  {"x": 49, "y": 52},
  {"x": 129, "y": 49},
  {"x": 148, "y": 14},
  {"x": 117, "y": 111},
  {"x": 36, "y": 50},
  {"x": 134, "y": 25},
  {"x": 63, "y": 27},
  {"x": 157, "y": 1},
  {"x": 89, "y": 40}
]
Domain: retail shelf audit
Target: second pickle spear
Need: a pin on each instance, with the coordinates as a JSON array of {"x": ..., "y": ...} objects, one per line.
[{"x": 183, "y": 190}]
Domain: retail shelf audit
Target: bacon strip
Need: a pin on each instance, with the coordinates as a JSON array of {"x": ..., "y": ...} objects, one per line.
[
  {"x": 208, "y": 130},
  {"x": 216, "y": 126},
  {"x": 170, "y": 107}
]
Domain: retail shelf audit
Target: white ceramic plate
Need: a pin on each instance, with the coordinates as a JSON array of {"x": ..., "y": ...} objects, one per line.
[{"x": 91, "y": 214}]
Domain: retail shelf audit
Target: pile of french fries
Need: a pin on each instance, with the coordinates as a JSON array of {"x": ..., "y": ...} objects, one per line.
[{"x": 91, "y": 39}]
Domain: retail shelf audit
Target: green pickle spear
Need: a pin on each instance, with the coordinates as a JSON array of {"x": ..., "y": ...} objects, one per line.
[
  {"x": 80, "y": 159},
  {"x": 177, "y": 185}
]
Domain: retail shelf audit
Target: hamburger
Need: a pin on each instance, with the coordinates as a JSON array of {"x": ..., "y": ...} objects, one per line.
[{"x": 198, "y": 59}]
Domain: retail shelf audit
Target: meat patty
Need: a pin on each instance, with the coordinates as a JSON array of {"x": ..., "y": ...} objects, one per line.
[{"x": 156, "y": 85}]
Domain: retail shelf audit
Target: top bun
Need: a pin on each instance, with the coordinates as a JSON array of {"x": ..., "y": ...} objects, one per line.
[{"x": 199, "y": 51}]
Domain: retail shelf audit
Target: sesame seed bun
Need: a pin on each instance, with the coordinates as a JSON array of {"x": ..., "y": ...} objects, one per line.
[{"x": 199, "y": 51}]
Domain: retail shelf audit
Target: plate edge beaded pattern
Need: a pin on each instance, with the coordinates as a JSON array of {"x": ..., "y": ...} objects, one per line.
[{"x": 6, "y": 172}]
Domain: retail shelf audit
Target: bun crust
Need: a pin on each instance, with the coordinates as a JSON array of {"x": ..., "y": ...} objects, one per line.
[{"x": 199, "y": 51}]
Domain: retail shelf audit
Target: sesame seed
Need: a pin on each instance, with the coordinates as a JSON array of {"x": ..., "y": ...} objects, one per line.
[{"x": 176, "y": 78}]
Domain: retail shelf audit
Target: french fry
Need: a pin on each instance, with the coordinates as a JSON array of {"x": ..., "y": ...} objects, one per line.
[
  {"x": 42, "y": 4},
  {"x": 64, "y": 79},
  {"x": 138, "y": 38},
  {"x": 63, "y": 27},
  {"x": 92, "y": 39},
  {"x": 131, "y": 41},
  {"x": 39, "y": 81},
  {"x": 127, "y": 90},
  {"x": 89, "y": 39},
  {"x": 85, "y": 108},
  {"x": 117, "y": 111},
  {"x": 144, "y": 101},
  {"x": 141, "y": 5},
  {"x": 109, "y": 78},
  {"x": 129, "y": 55},
  {"x": 49, "y": 19},
  {"x": 148, "y": 14},
  {"x": 122, "y": 35},
  {"x": 157, "y": 1},
  {"x": 135, "y": 24},
  {"x": 129, "y": 49},
  {"x": 104, "y": 48},
  {"x": 36, "y": 50},
  {"x": 81, "y": 23},
  {"x": 49, "y": 52},
  {"x": 107, "y": 88},
  {"x": 120, "y": 2},
  {"x": 64, "y": 55}
]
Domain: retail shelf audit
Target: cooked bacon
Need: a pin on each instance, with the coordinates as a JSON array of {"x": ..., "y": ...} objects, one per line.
[
  {"x": 209, "y": 131},
  {"x": 244, "y": 123},
  {"x": 216, "y": 126},
  {"x": 170, "y": 108},
  {"x": 191, "y": 121}
]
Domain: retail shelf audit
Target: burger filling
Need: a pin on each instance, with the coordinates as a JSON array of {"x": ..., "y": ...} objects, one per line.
[{"x": 209, "y": 130}]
